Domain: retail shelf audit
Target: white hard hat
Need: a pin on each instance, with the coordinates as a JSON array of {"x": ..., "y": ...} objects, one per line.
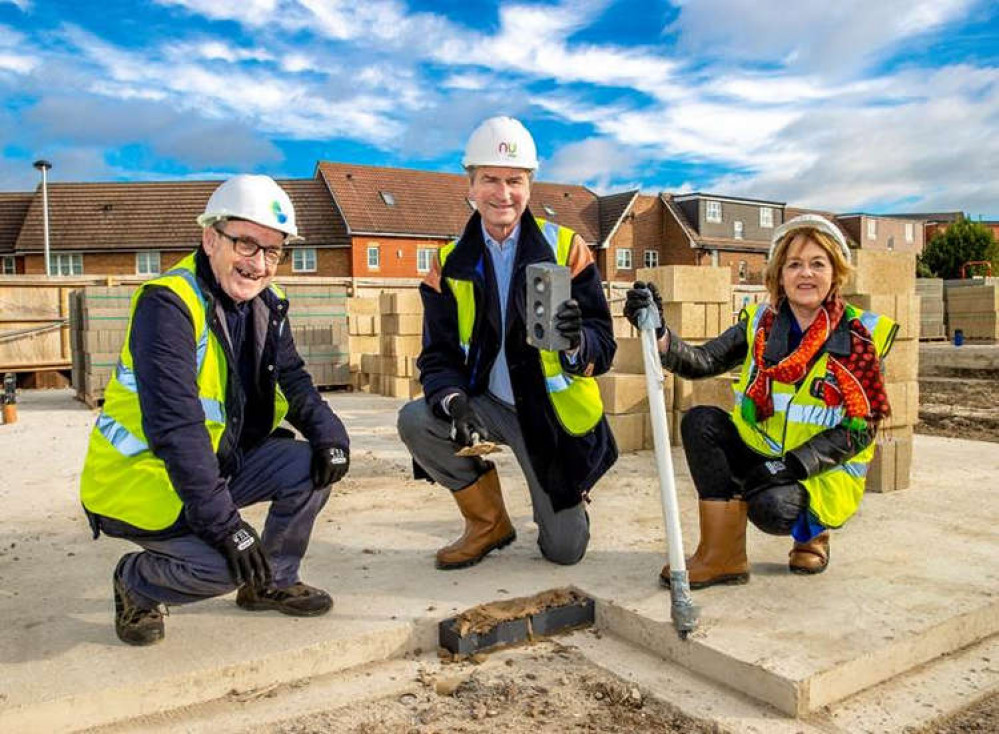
[
  {"x": 253, "y": 198},
  {"x": 809, "y": 221},
  {"x": 501, "y": 141}
]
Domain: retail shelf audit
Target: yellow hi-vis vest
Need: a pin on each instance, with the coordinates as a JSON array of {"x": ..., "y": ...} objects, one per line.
[
  {"x": 575, "y": 399},
  {"x": 122, "y": 478},
  {"x": 833, "y": 495}
]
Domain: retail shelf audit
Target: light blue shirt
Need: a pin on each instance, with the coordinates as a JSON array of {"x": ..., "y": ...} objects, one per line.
[{"x": 502, "y": 255}]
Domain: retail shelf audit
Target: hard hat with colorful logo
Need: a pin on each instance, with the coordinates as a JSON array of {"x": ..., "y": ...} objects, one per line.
[
  {"x": 253, "y": 198},
  {"x": 809, "y": 221},
  {"x": 501, "y": 141}
]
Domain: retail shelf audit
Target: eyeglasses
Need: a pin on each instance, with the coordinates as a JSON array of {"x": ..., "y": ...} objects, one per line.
[{"x": 248, "y": 247}]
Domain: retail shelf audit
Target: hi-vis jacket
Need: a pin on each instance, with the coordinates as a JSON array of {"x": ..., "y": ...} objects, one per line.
[
  {"x": 558, "y": 403},
  {"x": 124, "y": 477},
  {"x": 835, "y": 460}
]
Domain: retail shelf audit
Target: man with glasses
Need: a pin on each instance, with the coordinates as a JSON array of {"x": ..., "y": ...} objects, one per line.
[{"x": 189, "y": 429}]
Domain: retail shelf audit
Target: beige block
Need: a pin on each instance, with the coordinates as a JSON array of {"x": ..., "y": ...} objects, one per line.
[
  {"x": 972, "y": 299},
  {"x": 406, "y": 324},
  {"x": 691, "y": 283},
  {"x": 891, "y": 468},
  {"x": 903, "y": 397},
  {"x": 396, "y": 366},
  {"x": 712, "y": 319},
  {"x": 405, "y": 302},
  {"x": 902, "y": 362},
  {"x": 623, "y": 328},
  {"x": 362, "y": 306},
  {"x": 881, "y": 471},
  {"x": 903, "y": 309},
  {"x": 689, "y": 320},
  {"x": 673, "y": 419},
  {"x": 364, "y": 344},
  {"x": 882, "y": 272},
  {"x": 396, "y": 387},
  {"x": 628, "y": 358},
  {"x": 371, "y": 364},
  {"x": 362, "y": 324},
  {"x": 707, "y": 391},
  {"x": 975, "y": 325},
  {"x": 414, "y": 368},
  {"x": 375, "y": 383},
  {"x": 401, "y": 346},
  {"x": 627, "y": 393},
  {"x": 628, "y": 430}
]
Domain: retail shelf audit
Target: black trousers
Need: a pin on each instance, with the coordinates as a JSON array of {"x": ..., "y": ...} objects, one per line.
[{"x": 719, "y": 459}]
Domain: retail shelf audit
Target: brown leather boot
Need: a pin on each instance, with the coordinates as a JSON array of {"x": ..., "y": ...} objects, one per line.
[
  {"x": 720, "y": 557},
  {"x": 487, "y": 526},
  {"x": 810, "y": 557}
]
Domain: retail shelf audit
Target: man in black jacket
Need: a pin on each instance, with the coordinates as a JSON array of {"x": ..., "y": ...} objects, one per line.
[
  {"x": 189, "y": 431},
  {"x": 481, "y": 378}
]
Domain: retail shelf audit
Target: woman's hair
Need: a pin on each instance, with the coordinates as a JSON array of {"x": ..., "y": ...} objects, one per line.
[{"x": 841, "y": 266}]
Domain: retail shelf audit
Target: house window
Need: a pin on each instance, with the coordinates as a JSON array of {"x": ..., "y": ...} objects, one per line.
[
  {"x": 424, "y": 259},
  {"x": 303, "y": 260},
  {"x": 9, "y": 265},
  {"x": 891, "y": 243},
  {"x": 387, "y": 197},
  {"x": 872, "y": 229},
  {"x": 713, "y": 212},
  {"x": 147, "y": 263},
  {"x": 66, "y": 263},
  {"x": 766, "y": 217},
  {"x": 910, "y": 232},
  {"x": 624, "y": 258},
  {"x": 737, "y": 229},
  {"x": 743, "y": 271},
  {"x": 651, "y": 258},
  {"x": 374, "y": 257}
]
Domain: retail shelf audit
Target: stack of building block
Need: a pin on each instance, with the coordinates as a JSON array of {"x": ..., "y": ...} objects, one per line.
[
  {"x": 364, "y": 324},
  {"x": 931, "y": 299},
  {"x": 318, "y": 318},
  {"x": 974, "y": 310},
  {"x": 885, "y": 282},
  {"x": 388, "y": 340},
  {"x": 98, "y": 323},
  {"x": 697, "y": 306}
]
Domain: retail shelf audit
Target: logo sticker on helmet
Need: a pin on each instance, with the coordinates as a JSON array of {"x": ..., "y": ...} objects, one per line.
[
  {"x": 278, "y": 214},
  {"x": 508, "y": 149}
]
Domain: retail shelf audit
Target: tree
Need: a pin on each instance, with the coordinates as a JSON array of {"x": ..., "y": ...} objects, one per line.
[{"x": 962, "y": 242}]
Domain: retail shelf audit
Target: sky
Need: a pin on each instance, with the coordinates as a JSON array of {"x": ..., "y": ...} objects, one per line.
[{"x": 855, "y": 105}]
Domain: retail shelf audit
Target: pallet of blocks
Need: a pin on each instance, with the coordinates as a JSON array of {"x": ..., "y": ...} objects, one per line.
[
  {"x": 885, "y": 283},
  {"x": 98, "y": 323},
  {"x": 317, "y": 315},
  {"x": 973, "y": 309},
  {"x": 696, "y": 307},
  {"x": 363, "y": 325},
  {"x": 400, "y": 343},
  {"x": 932, "y": 325}
]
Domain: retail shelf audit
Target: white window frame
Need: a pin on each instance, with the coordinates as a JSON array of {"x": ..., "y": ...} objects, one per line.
[
  {"x": 622, "y": 259},
  {"x": 650, "y": 258},
  {"x": 66, "y": 263},
  {"x": 376, "y": 262},
  {"x": 713, "y": 211},
  {"x": 424, "y": 259},
  {"x": 143, "y": 260},
  {"x": 872, "y": 229},
  {"x": 766, "y": 217},
  {"x": 738, "y": 229},
  {"x": 8, "y": 265},
  {"x": 910, "y": 232},
  {"x": 304, "y": 260}
]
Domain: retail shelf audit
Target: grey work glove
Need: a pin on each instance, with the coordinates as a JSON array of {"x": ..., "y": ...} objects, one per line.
[
  {"x": 466, "y": 425},
  {"x": 329, "y": 465},
  {"x": 244, "y": 554},
  {"x": 641, "y": 296}
]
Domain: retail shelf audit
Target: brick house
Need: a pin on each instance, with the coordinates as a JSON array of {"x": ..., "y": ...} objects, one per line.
[
  {"x": 13, "y": 210},
  {"x": 883, "y": 232},
  {"x": 144, "y": 228}
]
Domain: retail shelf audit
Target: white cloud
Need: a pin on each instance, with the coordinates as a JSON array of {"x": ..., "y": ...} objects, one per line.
[
  {"x": 22, "y": 5},
  {"x": 595, "y": 162}
]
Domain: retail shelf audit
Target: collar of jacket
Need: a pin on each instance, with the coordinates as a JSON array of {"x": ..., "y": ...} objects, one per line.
[
  {"x": 213, "y": 291},
  {"x": 464, "y": 261},
  {"x": 838, "y": 343}
]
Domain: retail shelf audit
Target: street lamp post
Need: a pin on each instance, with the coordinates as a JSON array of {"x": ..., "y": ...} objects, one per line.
[{"x": 44, "y": 166}]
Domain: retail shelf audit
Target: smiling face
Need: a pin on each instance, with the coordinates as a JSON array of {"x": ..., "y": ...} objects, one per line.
[
  {"x": 807, "y": 275},
  {"x": 500, "y": 196},
  {"x": 242, "y": 278}
]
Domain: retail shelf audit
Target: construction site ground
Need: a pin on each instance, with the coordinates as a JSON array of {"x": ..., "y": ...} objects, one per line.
[{"x": 898, "y": 634}]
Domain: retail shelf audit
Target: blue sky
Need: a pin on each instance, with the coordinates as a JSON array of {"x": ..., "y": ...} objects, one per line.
[{"x": 850, "y": 105}]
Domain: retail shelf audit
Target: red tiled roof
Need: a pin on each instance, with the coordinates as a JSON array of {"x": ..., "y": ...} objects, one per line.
[
  {"x": 435, "y": 204},
  {"x": 13, "y": 209},
  {"x": 160, "y": 215}
]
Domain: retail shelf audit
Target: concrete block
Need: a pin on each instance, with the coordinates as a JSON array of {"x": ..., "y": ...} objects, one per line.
[
  {"x": 628, "y": 430},
  {"x": 903, "y": 397},
  {"x": 402, "y": 324},
  {"x": 362, "y": 306},
  {"x": 707, "y": 391},
  {"x": 882, "y": 272},
  {"x": 628, "y": 358},
  {"x": 983, "y": 325},
  {"x": 364, "y": 344},
  {"x": 396, "y": 387},
  {"x": 401, "y": 346},
  {"x": 362, "y": 324},
  {"x": 627, "y": 393},
  {"x": 690, "y": 283},
  {"x": 623, "y": 328},
  {"x": 973, "y": 299},
  {"x": 371, "y": 363},
  {"x": 405, "y": 302},
  {"x": 902, "y": 362},
  {"x": 396, "y": 366},
  {"x": 688, "y": 320},
  {"x": 891, "y": 468}
]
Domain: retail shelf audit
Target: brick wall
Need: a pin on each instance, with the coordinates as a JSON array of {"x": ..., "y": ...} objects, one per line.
[
  {"x": 397, "y": 256},
  {"x": 755, "y": 263},
  {"x": 641, "y": 230}
]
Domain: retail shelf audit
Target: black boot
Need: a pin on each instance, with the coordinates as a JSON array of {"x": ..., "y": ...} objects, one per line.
[
  {"x": 298, "y": 600},
  {"x": 135, "y": 625}
]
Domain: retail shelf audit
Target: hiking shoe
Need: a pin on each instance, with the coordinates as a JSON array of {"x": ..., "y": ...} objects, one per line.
[
  {"x": 134, "y": 624},
  {"x": 298, "y": 600}
]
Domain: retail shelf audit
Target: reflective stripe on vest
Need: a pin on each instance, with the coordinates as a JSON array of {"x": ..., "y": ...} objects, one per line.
[
  {"x": 121, "y": 477},
  {"x": 834, "y": 495},
  {"x": 575, "y": 399}
]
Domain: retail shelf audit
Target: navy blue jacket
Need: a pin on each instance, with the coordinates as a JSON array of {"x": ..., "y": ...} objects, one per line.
[{"x": 164, "y": 358}]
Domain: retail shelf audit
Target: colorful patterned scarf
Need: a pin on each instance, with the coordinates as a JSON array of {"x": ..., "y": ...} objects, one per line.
[{"x": 856, "y": 380}]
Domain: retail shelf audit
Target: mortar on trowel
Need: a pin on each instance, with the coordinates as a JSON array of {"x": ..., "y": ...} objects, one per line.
[{"x": 515, "y": 621}]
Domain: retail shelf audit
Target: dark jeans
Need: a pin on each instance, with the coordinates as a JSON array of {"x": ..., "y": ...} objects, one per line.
[
  {"x": 719, "y": 459},
  {"x": 187, "y": 569}
]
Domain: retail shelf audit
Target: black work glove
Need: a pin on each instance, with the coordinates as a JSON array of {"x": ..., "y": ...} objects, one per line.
[
  {"x": 569, "y": 322},
  {"x": 770, "y": 473},
  {"x": 644, "y": 295},
  {"x": 329, "y": 465},
  {"x": 466, "y": 425},
  {"x": 244, "y": 554}
]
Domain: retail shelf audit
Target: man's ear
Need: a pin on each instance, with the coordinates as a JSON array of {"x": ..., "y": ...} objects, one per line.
[{"x": 208, "y": 240}]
